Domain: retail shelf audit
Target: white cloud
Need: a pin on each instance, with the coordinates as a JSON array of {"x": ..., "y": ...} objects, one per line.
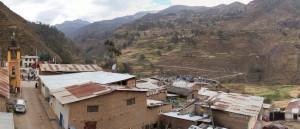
[{"x": 58, "y": 11}]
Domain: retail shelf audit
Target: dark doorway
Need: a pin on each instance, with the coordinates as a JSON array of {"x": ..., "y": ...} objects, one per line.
[
  {"x": 90, "y": 125},
  {"x": 295, "y": 116}
]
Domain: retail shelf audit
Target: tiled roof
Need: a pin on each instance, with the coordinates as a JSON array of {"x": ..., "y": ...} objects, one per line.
[
  {"x": 4, "y": 83},
  {"x": 69, "y": 68}
]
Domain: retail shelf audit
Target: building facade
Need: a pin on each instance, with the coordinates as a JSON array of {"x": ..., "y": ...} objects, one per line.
[{"x": 27, "y": 61}]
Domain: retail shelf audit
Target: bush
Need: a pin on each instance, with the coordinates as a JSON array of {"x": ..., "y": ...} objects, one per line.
[
  {"x": 268, "y": 100},
  {"x": 298, "y": 95}
]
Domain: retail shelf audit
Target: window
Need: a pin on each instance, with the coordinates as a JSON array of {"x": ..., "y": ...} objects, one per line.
[
  {"x": 131, "y": 101},
  {"x": 160, "y": 111},
  {"x": 93, "y": 108}
]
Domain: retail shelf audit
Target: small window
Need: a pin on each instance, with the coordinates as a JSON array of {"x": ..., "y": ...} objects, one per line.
[
  {"x": 131, "y": 101},
  {"x": 93, "y": 108},
  {"x": 160, "y": 110}
]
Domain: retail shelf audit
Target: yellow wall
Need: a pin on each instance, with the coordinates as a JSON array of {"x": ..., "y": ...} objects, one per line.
[{"x": 14, "y": 82}]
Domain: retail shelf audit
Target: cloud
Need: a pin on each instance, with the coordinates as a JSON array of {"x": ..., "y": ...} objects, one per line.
[{"x": 57, "y": 11}]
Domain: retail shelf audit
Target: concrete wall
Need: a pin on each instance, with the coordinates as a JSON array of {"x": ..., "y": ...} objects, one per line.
[
  {"x": 2, "y": 104},
  {"x": 290, "y": 117},
  {"x": 63, "y": 109},
  {"x": 175, "y": 123},
  {"x": 113, "y": 112}
]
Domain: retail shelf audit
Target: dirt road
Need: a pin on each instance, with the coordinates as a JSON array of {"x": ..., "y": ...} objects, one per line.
[{"x": 35, "y": 117}]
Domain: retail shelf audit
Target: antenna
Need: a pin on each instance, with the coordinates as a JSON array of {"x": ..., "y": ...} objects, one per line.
[{"x": 114, "y": 66}]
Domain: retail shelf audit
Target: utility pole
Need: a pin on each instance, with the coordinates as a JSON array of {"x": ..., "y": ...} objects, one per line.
[{"x": 212, "y": 119}]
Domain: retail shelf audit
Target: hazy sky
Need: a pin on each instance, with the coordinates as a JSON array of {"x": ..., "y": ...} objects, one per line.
[{"x": 58, "y": 11}]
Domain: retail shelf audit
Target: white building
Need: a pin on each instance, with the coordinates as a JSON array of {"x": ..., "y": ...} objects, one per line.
[{"x": 27, "y": 61}]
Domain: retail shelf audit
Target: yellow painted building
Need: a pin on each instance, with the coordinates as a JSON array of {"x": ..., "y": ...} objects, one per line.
[{"x": 13, "y": 59}]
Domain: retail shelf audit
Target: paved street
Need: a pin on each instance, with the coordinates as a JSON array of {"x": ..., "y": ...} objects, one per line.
[{"x": 35, "y": 117}]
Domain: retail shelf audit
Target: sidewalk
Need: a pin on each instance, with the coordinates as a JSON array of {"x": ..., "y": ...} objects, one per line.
[{"x": 50, "y": 114}]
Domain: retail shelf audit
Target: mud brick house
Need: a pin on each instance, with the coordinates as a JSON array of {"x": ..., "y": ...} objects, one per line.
[
  {"x": 232, "y": 110},
  {"x": 4, "y": 89},
  {"x": 100, "y": 100},
  {"x": 155, "y": 91},
  {"x": 174, "y": 120},
  {"x": 186, "y": 93}
]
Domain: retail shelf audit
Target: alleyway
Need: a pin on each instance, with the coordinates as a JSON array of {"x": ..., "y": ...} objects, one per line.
[{"x": 35, "y": 117}]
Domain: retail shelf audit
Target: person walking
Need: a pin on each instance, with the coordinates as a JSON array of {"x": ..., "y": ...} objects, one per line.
[{"x": 36, "y": 85}]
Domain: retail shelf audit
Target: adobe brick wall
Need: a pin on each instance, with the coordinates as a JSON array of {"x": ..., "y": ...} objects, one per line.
[
  {"x": 153, "y": 113},
  {"x": 131, "y": 82},
  {"x": 231, "y": 121},
  {"x": 160, "y": 96},
  {"x": 2, "y": 104},
  {"x": 190, "y": 95},
  {"x": 114, "y": 113}
]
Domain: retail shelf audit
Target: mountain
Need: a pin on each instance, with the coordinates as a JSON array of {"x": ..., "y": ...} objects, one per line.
[
  {"x": 35, "y": 36},
  {"x": 259, "y": 41},
  {"x": 69, "y": 27},
  {"x": 102, "y": 29}
]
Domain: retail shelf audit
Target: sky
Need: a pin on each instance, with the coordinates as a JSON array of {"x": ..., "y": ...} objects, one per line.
[{"x": 57, "y": 11}]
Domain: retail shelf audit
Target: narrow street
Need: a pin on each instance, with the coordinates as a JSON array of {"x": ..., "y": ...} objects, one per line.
[{"x": 35, "y": 116}]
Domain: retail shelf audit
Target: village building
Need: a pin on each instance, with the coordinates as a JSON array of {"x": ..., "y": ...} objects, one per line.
[
  {"x": 155, "y": 91},
  {"x": 182, "y": 92},
  {"x": 27, "y": 61},
  {"x": 100, "y": 100},
  {"x": 4, "y": 89},
  {"x": 174, "y": 120},
  {"x": 6, "y": 120},
  {"x": 292, "y": 112},
  {"x": 51, "y": 69},
  {"x": 232, "y": 110}
]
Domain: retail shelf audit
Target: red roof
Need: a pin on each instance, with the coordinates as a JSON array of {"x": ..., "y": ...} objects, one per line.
[
  {"x": 85, "y": 89},
  {"x": 4, "y": 83},
  {"x": 295, "y": 103}
]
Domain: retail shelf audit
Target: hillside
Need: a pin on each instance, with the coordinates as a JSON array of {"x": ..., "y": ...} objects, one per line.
[
  {"x": 102, "y": 29},
  {"x": 259, "y": 41},
  {"x": 69, "y": 27},
  {"x": 32, "y": 36}
]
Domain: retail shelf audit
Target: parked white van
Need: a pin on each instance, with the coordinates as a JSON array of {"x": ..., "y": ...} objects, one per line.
[{"x": 20, "y": 106}]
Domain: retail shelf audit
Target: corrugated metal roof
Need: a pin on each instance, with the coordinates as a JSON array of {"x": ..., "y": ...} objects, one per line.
[
  {"x": 179, "y": 90},
  {"x": 146, "y": 85},
  {"x": 76, "y": 93},
  {"x": 4, "y": 83},
  {"x": 69, "y": 68},
  {"x": 153, "y": 103},
  {"x": 84, "y": 91},
  {"x": 237, "y": 103},
  {"x": 6, "y": 120},
  {"x": 64, "y": 80},
  {"x": 295, "y": 103},
  {"x": 184, "y": 117}
]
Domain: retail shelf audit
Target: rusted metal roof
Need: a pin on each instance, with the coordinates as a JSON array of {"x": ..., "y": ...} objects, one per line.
[
  {"x": 237, "y": 103},
  {"x": 293, "y": 106},
  {"x": 69, "y": 68},
  {"x": 84, "y": 91},
  {"x": 79, "y": 92},
  {"x": 4, "y": 83}
]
